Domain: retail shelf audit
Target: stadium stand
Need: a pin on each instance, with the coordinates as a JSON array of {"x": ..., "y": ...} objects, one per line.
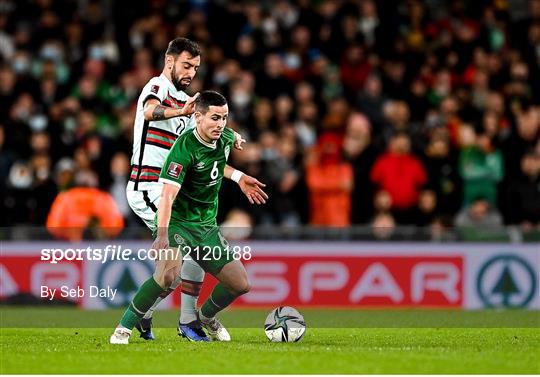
[{"x": 425, "y": 107}]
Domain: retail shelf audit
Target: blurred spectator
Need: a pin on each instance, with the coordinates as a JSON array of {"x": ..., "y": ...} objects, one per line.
[
  {"x": 370, "y": 102},
  {"x": 76, "y": 209},
  {"x": 480, "y": 213},
  {"x": 64, "y": 174},
  {"x": 526, "y": 136},
  {"x": 383, "y": 226},
  {"x": 480, "y": 166},
  {"x": 44, "y": 189},
  {"x": 237, "y": 225},
  {"x": 524, "y": 193},
  {"x": 120, "y": 170},
  {"x": 443, "y": 175},
  {"x": 272, "y": 83},
  {"x": 401, "y": 174},
  {"x": 283, "y": 174},
  {"x": 479, "y": 221},
  {"x": 354, "y": 70},
  {"x": 426, "y": 209},
  {"x": 360, "y": 153},
  {"x": 18, "y": 202},
  {"x": 330, "y": 182},
  {"x": 7, "y": 158}
]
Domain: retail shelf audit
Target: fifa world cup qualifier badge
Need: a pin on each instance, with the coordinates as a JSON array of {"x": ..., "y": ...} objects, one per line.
[{"x": 174, "y": 169}]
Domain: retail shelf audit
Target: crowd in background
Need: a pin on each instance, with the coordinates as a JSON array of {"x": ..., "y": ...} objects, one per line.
[{"x": 387, "y": 112}]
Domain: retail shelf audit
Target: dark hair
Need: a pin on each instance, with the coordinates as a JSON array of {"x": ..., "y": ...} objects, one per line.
[
  {"x": 209, "y": 98},
  {"x": 179, "y": 45}
]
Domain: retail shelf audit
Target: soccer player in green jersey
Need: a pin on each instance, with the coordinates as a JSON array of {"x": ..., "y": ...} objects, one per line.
[{"x": 186, "y": 219}]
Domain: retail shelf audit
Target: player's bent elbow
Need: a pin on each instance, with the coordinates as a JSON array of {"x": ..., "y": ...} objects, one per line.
[{"x": 147, "y": 114}]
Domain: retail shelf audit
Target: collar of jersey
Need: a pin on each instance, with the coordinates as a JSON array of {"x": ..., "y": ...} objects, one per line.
[{"x": 205, "y": 143}]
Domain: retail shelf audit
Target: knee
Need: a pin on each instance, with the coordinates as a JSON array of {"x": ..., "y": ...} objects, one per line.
[
  {"x": 242, "y": 288},
  {"x": 166, "y": 278}
]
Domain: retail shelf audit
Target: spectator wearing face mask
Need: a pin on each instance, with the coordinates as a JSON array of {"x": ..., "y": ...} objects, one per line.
[{"x": 17, "y": 201}]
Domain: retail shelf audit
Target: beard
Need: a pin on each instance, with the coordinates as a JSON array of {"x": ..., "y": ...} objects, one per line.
[{"x": 177, "y": 82}]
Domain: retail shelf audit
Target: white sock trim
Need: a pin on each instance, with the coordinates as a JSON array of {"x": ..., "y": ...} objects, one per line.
[{"x": 137, "y": 310}]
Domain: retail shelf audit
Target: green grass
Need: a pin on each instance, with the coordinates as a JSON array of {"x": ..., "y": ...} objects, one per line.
[{"x": 464, "y": 349}]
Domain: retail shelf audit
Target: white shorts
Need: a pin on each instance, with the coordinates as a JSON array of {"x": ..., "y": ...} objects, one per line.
[{"x": 144, "y": 203}]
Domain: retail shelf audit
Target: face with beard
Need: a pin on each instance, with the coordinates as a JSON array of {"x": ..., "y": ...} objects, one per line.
[{"x": 182, "y": 69}]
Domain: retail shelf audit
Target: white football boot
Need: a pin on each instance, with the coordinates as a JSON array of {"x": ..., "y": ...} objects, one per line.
[
  {"x": 120, "y": 336},
  {"x": 215, "y": 329}
]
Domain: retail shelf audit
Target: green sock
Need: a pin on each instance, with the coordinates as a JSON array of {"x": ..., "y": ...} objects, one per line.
[
  {"x": 220, "y": 298},
  {"x": 143, "y": 300}
]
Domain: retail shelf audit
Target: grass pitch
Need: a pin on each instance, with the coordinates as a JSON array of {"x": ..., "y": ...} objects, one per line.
[{"x": 451, "y": 346}]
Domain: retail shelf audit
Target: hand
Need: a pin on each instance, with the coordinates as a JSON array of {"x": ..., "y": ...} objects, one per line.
[
  {"x": 161, "y": 243},
  {"x": 252, "y": 188},
  {"x": 189, "y": 106},
  {"x": 238, "y": 140}
]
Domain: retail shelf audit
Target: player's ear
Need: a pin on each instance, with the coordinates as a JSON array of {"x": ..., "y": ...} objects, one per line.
[
  {"x": 169, "y": 61},
  {"x": 198, "y": 116}
]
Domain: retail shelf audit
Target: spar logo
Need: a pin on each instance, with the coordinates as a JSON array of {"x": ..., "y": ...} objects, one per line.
[
  {"x": 506, "y": 281},
  {"x": 356, "y": 280},
  {"x": 126, "y": 278}
]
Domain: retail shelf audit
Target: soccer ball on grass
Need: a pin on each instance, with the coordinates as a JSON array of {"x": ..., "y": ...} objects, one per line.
[{"x": 285, "y": 324}]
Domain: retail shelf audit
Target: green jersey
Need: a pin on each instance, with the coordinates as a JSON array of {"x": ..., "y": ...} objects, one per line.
[{"x": 197, "y": 166}]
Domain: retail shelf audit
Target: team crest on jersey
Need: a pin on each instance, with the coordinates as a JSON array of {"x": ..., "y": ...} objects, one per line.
[
  {"x": 227, "y": 151},
  {"x": 174, "y": 169},
  {"x": 179, "y": 239},
  {"x": 154, "y": 89}
]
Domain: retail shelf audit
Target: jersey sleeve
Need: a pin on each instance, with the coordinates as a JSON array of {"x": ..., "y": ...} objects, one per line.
[
  {"x": 228, "y": 134},
  {"x": 154, "y": 89},
  {"x": 177, "y": 164}
]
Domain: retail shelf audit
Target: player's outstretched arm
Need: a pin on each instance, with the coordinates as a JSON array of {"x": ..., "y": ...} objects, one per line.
[
  {"x": 250, "y": 186},
  {"x": 168, "y": 194},
  {"x": 154, "y": 110}
]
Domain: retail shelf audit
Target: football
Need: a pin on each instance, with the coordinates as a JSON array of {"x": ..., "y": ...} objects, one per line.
[{"x": 285, "y": 324}]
